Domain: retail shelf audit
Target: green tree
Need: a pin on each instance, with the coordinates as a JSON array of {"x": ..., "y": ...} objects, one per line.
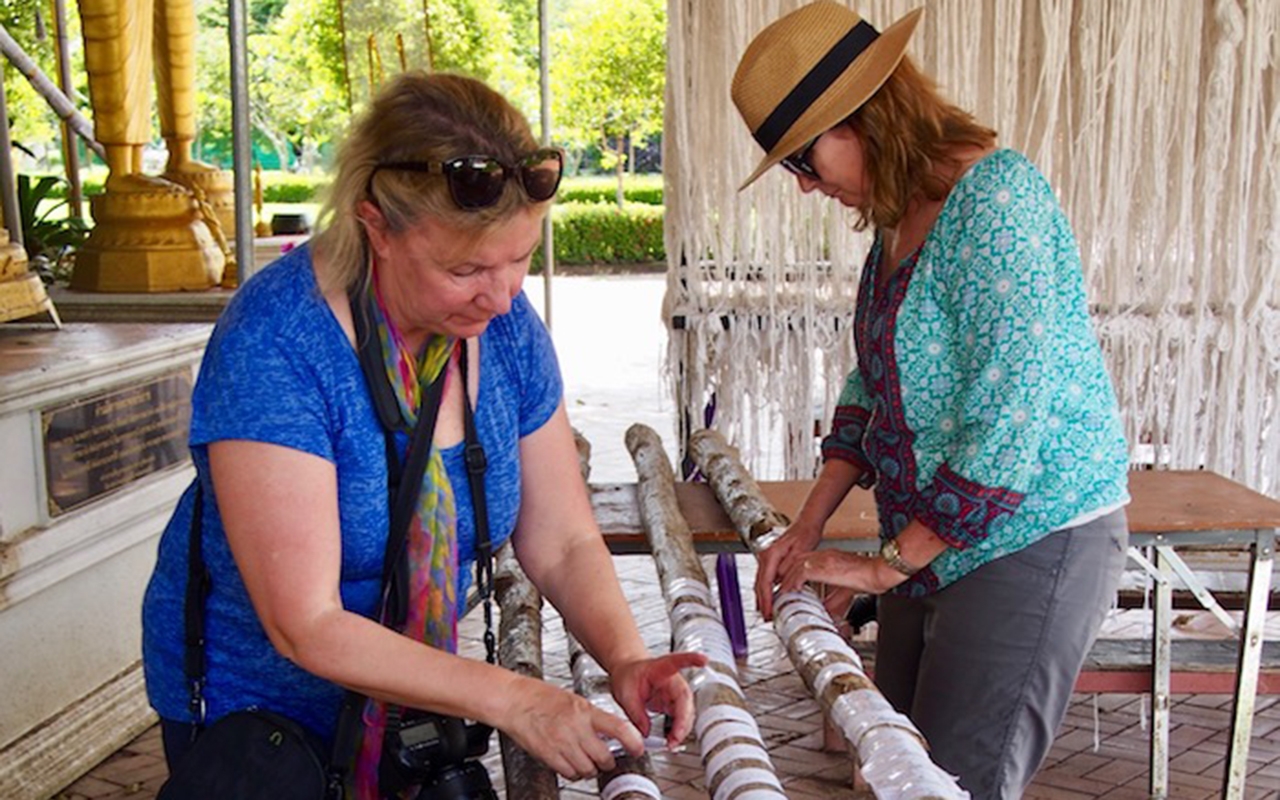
[
  {"x": 609, "y": 76},
  {"x": 32, "y": 123}
]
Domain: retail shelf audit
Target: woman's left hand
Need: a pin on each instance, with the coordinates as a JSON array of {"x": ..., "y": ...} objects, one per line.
[
  {"x": 858, "y": 572},
  {"x": 654, "y": 684}
]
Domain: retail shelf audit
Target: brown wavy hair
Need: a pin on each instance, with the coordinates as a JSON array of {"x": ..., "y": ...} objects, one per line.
[
  {"x": 416, "y": 117},
  {"x": 910, "y": 135}
]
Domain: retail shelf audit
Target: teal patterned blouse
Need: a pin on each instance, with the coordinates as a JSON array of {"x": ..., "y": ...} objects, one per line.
[{"x": 981, "y": 404}]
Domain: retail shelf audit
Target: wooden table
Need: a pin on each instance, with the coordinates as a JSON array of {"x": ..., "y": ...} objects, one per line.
[{"x": 1171, "y": 511}]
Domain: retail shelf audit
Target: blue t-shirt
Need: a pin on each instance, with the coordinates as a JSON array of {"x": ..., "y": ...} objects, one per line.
[{"x": 279, "y": 369}]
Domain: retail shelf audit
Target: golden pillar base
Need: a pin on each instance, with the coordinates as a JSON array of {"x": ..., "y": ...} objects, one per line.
[
  {"x": 216, "y": 186},
  {"x": 22, "y": 292},
  {"x": 25, "y": 297},
  {"x": 147, "y": 237}
]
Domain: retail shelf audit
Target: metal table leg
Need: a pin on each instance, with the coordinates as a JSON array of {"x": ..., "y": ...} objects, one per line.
[
  {"x": 1255, "y": 616},
  {"x": 1161, "y": 668}
]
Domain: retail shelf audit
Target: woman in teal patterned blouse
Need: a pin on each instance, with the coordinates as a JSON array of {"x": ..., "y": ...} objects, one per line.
[{"x": 980, "y": 410}]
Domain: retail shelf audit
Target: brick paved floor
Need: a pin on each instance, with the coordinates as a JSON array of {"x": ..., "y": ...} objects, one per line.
[{"x": 1100, "y": 752}]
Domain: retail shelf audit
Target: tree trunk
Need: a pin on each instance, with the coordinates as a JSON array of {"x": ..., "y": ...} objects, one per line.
[
  {"x": 520, "y": 650},
  {"x": 620, "y": 170}
]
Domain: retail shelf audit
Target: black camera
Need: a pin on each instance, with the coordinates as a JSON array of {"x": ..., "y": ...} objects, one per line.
[{"x": 436, "y": 753}]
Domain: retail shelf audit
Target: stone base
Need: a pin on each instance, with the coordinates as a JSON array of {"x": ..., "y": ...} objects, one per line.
[
  {"x": 77, "y": 307},
  {"x": 78, "y": 739},
  {"x": 72, "y": 579}
]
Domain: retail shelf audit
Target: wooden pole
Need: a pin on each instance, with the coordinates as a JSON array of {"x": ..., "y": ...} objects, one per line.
[
  {"x": 733, "y": 752},
  {"x": 375, "y": 66},
  {"x": 426, "y": 33},
  {"x": 520, "y": 650},
  {"x": 890, "y": 750},
  {"x": 346, "y": 60},
  {"x": 70, "y": 154},
  {"x": 544, "y": 117}
]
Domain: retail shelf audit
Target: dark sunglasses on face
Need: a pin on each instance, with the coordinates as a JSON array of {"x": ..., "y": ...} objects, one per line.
[
  {"x": 477, "y": 182},
  {"x": 798, "y": 163}
]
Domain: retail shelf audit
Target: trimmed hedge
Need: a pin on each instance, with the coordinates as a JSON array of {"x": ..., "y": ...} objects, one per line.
[
  {"x": 647, "y": 189},
  {"x": 284, "y": 187},
  {"x": 594, "y": 233},
  {"x": 588, "y": 226},
  {"x": 281, "y": 187},
  {"x": 644, "y": 189}
]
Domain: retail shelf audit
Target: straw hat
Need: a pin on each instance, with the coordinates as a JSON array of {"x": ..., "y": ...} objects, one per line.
[{"x": 809, "y": 70}]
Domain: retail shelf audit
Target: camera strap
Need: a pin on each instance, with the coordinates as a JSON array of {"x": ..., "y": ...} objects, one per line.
[
  {"x": 477, "y": 463},
  {"x": 403, "y": 483}
]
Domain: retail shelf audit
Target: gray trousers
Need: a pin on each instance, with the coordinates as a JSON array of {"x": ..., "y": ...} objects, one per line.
[{"x": 985, "y": 668}]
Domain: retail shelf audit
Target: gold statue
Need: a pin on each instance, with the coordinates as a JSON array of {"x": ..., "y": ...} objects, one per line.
[
  {"x": 150, "y": 234},
  {"x": 261, "y": 227}
]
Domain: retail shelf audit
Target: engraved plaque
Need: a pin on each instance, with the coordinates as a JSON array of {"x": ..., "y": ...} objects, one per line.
[{"x": 96, "y": 445}]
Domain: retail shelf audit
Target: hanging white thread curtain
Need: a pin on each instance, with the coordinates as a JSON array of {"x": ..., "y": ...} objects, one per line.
[{"x": 1156, "y": 121}]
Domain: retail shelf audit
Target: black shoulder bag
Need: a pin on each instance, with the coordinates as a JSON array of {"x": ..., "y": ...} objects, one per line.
[{"x": 252, "y": 754}]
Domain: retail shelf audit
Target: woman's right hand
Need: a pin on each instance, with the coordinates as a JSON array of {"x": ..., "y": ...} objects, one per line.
[
  {"x": 565, "y": 731},
  {"x": 801, "y": 538}
]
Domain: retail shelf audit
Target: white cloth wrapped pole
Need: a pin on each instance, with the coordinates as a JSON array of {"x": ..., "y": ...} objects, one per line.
[
  {"x": 890, "y": 751},
  {"x": 631, "y": 778},
  {"x": 733, "y": 753}
]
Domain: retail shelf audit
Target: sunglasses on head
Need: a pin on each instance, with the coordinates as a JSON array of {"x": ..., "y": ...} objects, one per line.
[
  {"x": 477, "y": 181},
  {"x": 798, "y": 163}
]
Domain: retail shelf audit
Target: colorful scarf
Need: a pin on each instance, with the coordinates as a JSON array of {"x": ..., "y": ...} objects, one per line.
[{"x": 432, "y": 541}]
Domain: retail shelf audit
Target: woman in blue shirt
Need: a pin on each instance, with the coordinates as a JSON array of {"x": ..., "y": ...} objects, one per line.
[
  {"x": 980, "y": 410},
  {"x": 434, "y": 214}
]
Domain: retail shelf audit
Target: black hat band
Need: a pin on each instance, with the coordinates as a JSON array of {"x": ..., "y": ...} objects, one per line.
[{"x": 813, "y": 84}]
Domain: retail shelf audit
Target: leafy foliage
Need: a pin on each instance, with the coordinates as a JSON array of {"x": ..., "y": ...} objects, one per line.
[
  {"x": 48, "y": 240},
  {"x": 284, "y": 188},
  {"x": 610, "y": 75},
  {"x": 594, "y": 233},
  {"x": 643, "y": 189},
  {"x": 28, "y": 22},
  {"x": 607, "y": 62}
]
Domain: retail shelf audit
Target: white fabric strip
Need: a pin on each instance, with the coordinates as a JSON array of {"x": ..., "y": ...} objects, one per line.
[
  {"x": 630, "y": 783},
  {"x": 716, "y": 734},
  {"x": 735, "y": 752},
  {"x": 743, "y": 777},
  {"x": 719, "y": 713}
]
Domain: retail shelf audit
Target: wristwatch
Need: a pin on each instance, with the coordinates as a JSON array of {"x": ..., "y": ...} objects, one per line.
[{"x": 893, "y": 557}]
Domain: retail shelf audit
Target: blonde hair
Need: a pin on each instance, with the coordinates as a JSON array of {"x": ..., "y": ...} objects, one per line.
[
  {"x": 416, "y": 117},
  {"x": 908, "y": 131}
]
